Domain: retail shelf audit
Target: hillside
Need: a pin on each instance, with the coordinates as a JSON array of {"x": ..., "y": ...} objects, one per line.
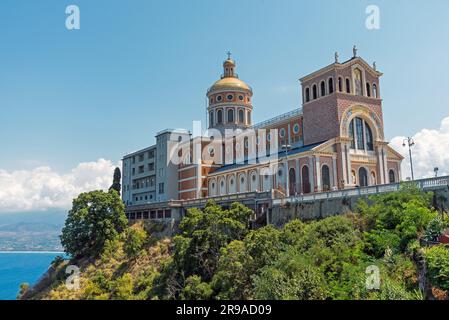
[{"x": 387, "y": 250}]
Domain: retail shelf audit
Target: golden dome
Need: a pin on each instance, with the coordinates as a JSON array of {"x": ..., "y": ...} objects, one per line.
[{"x": 230, "y": 83}]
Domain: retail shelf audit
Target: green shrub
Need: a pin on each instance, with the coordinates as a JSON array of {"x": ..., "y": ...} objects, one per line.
[
  {"x": 434, "y": 229},
  {"x": 437, "y": 258}
]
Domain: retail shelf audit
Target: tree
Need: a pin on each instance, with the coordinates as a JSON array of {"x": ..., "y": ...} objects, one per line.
[
  {"x": 290, "y": 278},
  {"x": 206, "y": 232},
  {"x": 135, "y": 238},
  {"x": 197, "y": 247},
  {"x": 95, "y": 217},
  {"x": 195, "y": 289},
  {"x": 23, "y": 289},
  {"x": 116, "y": 181}
]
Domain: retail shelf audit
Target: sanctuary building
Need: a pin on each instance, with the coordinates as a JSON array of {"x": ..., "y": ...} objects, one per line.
[{"x": 334, "y": 141}]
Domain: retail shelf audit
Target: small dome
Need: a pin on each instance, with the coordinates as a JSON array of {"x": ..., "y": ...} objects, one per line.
[{"x": 229, "y": 62}]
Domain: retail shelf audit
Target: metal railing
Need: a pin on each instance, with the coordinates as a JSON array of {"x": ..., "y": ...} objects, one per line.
[
  {"x": 281, "y": 117},
  {"x": 422, "y": 184},
  {"x": 230, "y": 197}
]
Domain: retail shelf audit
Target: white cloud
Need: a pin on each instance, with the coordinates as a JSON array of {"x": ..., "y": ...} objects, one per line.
[
  {"x": 431, "y": 150},
  {"x": 42, "y": 188}
]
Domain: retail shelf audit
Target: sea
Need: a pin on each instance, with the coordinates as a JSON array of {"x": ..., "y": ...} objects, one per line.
[{"x": 20, "y": 267}]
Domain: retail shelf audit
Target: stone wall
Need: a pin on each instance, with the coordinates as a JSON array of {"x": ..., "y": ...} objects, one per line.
[{"x": 319, "y": 209}]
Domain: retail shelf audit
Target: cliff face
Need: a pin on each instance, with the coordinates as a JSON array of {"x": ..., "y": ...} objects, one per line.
[{"x": 112, "y": 275}]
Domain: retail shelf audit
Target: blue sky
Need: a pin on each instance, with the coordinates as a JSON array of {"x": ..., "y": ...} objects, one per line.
[{"x": 137, "y": 67}]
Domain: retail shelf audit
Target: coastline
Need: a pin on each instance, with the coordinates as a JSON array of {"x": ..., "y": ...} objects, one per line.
[{"x": 28, "y": 252}]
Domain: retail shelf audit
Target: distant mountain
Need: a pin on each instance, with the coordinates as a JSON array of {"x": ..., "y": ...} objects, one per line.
[{"x": 31, "y": 231}]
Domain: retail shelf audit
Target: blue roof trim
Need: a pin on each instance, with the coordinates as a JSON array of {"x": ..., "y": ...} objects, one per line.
[{"x": 293, "y": 151}]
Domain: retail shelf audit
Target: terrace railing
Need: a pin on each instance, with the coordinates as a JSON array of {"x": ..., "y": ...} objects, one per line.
[{"x": 423, "y": 184}]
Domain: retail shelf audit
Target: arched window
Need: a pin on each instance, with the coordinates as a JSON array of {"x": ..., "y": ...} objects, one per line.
[
  {"x": 219, "y": 116},
  {"x": 323, "y": 89},
  {"x": 368, "y": 90},
  {"x": 292, "y": 182},
  {"x": 375, "y": 90},
  {"x": 363, "y": 177},
  {"x": 373, "y": 178},
  {"x": 369, "y": 138},
  {"x": 241, "y": 116},
  {"x": 354, "y": 178},
  {"x": 307, "y": 94},
  {"x": 358, "y": 82},
  {"x": 340, "y": 84},
  {"x": 348, "y": 86},
  {"x": 391, "y": 176},
  {"x": 351, "y": 134},
  {"x": 330, "y": 85},
  {"x": 361, "y": 135},
  {"x": 231, "y": 115},
  {"x": 211, "y": 119},
  {"x": 325, "y": 178},
  {"x": 314, "y": 92},
  {"x": 305, "y": 179}
]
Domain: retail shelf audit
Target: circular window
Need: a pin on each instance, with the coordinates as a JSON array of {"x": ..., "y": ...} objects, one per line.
[
  {"x": 268, "y": 137},
  {"x": 296, "y": 128},
  {"x": 282, "y": 133},
  {"x": 211, "y": 151},
  {"x": 241, "y": 98},
  {"x": 219, "y": 98},
  {"x": 179, "y": 138},
  {"x": 230, "y": 97}
]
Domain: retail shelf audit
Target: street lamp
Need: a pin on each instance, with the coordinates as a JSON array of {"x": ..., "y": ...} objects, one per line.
[
  {"x": 436, "y": 171},
  {"x": 287, "y": 147},
  {"x": 409, "y": 141}
]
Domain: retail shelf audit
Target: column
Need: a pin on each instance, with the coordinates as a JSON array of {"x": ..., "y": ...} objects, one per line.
[
  {"x": 298, "y": 181},
  {"x": 348, "y": 164},
  {"x": 380, "y": 165},
  {"x": 311, "y": 174},
  {"x": 334, "y": 171},
  {"x": 385, "y": 163},
  {"x": 344, "y": 169},
  {"x": 318, "y": 173}
]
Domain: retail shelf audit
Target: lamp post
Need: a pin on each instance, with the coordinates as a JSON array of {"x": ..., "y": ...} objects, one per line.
[
  {"x": 410, "y": 143},
  {"x": 436, "y": 171},
  {"x": 287, "y": 147}
]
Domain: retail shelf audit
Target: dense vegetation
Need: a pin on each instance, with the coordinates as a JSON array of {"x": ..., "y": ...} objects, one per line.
[{"x": 216, "y": 255}]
